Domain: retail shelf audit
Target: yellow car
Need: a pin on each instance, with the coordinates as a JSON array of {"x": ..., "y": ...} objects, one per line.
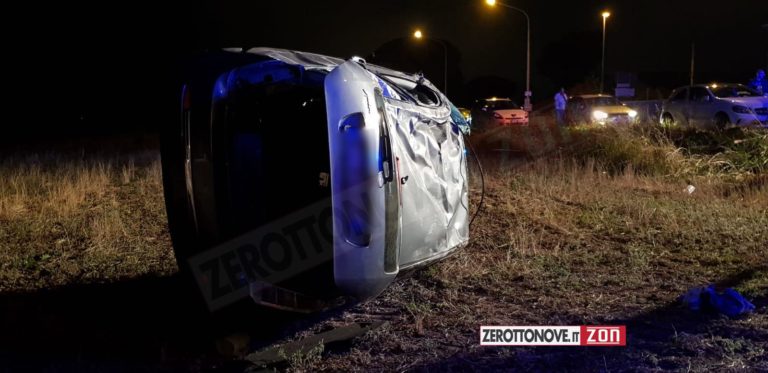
[{"x": 599, "y": 109}]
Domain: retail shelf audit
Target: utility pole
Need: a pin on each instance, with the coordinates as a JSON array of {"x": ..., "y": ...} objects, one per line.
[
  {"x": 693, "y": 60},
  {"x": 602, "y": 65}
]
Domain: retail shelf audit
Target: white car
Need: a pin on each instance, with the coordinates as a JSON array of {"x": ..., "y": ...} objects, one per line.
[
  {"x": 498, "y": 112},
  {"x": 715, "y": 106}
]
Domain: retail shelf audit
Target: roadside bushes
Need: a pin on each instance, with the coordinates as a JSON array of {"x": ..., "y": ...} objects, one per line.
[
  {"x": 652, "y": 151},
  {"x": 736, "y": 150},
  {"x": 619, "y": 149}
]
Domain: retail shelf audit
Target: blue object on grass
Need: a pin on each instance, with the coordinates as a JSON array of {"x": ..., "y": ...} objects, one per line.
[{"x": 728, "y": 302}]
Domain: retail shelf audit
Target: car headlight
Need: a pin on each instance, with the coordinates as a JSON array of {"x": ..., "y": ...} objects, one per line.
[
  {"x": 632, "y": 114},
  {"x": 599, "y": 115},
  {"x": 741, "y": 110}
]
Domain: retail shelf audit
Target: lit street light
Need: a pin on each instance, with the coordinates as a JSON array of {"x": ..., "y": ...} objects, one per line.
[
  {"x": 527, "y": 104},
  {"x": 418, "y": 35},
  {"x": 602, "y": 69}
]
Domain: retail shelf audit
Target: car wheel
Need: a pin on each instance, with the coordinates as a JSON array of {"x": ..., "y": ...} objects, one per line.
[
  {"x": 722, "y": 121},
  {"x": 667, "y": 120}
]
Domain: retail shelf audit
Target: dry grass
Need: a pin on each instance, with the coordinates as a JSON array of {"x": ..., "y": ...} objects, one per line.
[
  {"x": 597, "y": 228},
  {"x": 573, "y": 239},
  {"x": 67, "y": 218}
]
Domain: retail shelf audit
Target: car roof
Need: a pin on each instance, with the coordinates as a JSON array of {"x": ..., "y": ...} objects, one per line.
[{"x": 596, "y": 95}]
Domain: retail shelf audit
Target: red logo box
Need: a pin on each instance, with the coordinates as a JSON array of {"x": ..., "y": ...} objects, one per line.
[{"x": 603, "y": 335}]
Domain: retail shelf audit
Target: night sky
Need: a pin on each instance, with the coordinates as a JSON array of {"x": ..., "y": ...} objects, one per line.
[{"x": 116, "y": 55}]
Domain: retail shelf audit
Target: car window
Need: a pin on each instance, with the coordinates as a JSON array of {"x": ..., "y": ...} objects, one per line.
[
  {"x": 699, "y": 94},
  {"x": 680, "y": 95},
  {"x": 734, "y": 90},
  {"x": 603, "y": 101},
  {"x": 458, "y": 117}
]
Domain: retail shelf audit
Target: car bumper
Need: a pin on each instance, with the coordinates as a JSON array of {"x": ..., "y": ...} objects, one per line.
[
  {"x": 511, "y": 122},
  {"x": 615, "y": 120},
  {"x": 750, "y": 120}
]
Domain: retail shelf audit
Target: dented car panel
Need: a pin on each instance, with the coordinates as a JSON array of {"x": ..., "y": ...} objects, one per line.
[{"x": 398, "y": 181}]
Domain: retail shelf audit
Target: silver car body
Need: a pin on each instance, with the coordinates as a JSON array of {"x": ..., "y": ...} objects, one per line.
[
  {"x": 395, "y": 153},
  {"x": 431, "y": 172},
  {"x": 701, "y": 106}
]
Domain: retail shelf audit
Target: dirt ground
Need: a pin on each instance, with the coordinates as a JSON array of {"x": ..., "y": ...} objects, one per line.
[
  {"x": 559, "y": 242},
  {"x": 571, "y": 245}
]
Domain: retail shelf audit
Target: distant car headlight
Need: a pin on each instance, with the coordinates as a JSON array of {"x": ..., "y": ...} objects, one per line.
[
  {"x": 741, "y": 110},
  {"x": 632, "y": 114},
  {"x": 599, "y": 115}
]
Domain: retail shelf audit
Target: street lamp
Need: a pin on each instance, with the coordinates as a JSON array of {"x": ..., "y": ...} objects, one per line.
[
  {"x": 418, "y": 35},
  {"x": 527, "y": 104},
  {"x": 602, "y": 69}
]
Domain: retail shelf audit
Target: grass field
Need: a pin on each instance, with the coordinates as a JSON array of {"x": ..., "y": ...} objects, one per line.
[
  {"x": 595, "y": 229},
  {"x": 71, "y": 218},
  {"x": 600, "y": 231}
]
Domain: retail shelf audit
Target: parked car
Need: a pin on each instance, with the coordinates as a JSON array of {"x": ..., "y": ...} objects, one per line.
[
  {"x": 277, "y": 153},
  {"x": 599, "y": 109},
  {"x": 498, "y": 112},
  {"x": 715, "y": 106}
]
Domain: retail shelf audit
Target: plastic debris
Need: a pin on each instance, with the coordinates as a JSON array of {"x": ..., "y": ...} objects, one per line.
[
  {"x": 692, "y": 299},
  {"x": 728, "y": 302},
  {"x": 690, "y": 189}
]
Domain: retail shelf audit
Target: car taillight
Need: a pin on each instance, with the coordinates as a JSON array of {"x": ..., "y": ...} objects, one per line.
[{"x": 497, "y": 116}]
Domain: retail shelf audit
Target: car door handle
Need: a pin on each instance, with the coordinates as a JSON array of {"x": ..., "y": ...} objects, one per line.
[{"x": 352, "y": 121}]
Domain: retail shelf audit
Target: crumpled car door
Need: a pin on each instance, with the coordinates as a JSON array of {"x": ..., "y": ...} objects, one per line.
[{"x": 364, "y": 182}]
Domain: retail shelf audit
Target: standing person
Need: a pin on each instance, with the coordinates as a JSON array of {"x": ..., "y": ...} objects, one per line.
[
  {"x": 561, "y": 102},
  {"x": 759, "y": 83}
]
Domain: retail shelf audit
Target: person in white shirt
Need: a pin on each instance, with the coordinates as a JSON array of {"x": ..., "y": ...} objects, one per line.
[{"x": 561, "y": 102}]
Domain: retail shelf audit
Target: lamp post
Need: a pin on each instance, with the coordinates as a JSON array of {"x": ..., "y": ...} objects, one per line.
[
  {"x": 418, "y": 35},
  {"x": 527, "y": 104},
  {"x": 602, "y": 69}
]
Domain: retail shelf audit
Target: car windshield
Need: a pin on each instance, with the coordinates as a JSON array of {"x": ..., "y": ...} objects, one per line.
[
  {"x": 501, "y": 105},
  {"x": 734, "y": 90},
  {"x": 602, "y": 101}
]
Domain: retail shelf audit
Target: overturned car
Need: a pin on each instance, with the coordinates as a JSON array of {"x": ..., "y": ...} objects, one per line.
[{"x": 299, "y": 179}]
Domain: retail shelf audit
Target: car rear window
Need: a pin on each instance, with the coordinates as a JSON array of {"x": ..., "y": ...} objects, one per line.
[{"x": 501, "y": 105}]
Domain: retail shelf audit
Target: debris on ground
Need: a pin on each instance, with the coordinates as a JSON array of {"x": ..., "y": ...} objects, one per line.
[
  {"x": 283, "y": 353},
  {"x": 728, "y": 302}
]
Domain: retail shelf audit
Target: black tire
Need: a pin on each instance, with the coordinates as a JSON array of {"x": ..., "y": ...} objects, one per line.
[
  {"x": 722, "y": 121},
  {"x": 667, "y": 120}
]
